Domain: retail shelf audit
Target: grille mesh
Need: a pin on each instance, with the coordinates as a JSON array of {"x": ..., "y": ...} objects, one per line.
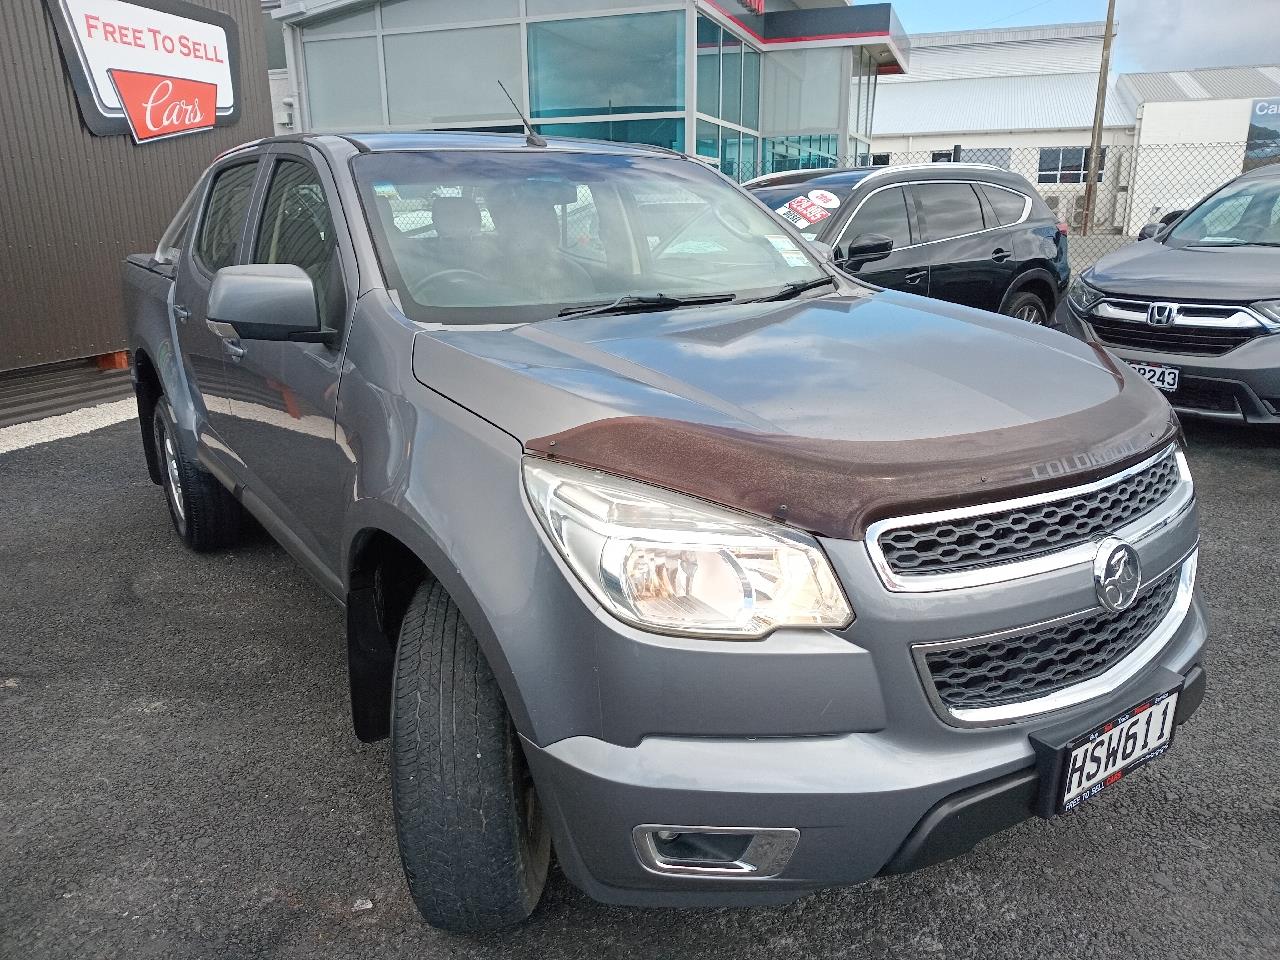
[
  {"x": 1028, "y": 665},
  {"x": 955, "y": 545}
]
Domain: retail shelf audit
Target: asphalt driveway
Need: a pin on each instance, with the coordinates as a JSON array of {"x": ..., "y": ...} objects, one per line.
[{"x": 178, "y": 777}]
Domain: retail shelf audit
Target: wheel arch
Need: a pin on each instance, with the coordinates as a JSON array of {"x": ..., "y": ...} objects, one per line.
[
  {"x": 148, "y": 389},
  {"x": 384, "y": 569},
  {"x": 1037, "y": 280}
]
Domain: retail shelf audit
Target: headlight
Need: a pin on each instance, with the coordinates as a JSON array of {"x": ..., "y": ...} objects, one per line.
[
  {"x": 1081, "y": 295},
  {"x": 1269, "y": 309},
  {"x": 678, "y": 565}
]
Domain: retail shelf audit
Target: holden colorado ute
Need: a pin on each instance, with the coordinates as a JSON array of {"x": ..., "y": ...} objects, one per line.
[{"x": 662, "y": 544}]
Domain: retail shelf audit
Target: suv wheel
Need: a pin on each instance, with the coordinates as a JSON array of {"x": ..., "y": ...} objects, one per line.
[
  {"x": 473, "y": 840},
  {"x": 205, "y": 514},
  {"x": 1027, "y": 306}
]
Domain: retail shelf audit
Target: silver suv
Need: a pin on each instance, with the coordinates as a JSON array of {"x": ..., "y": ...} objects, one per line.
[{"x": 1194, "y": 306}]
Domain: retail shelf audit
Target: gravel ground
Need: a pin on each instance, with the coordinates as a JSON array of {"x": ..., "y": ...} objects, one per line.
[{"x": 178, "y": 777}]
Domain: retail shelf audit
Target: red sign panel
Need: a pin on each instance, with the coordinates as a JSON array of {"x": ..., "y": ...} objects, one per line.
[{"x": 157, "y": 106}]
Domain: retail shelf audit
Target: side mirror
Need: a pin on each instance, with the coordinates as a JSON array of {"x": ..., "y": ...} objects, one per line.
[
  {"x": 266, "y": 301},
  {"x": 866, "y": 247},
  {"x": 1150, "y": 230}
]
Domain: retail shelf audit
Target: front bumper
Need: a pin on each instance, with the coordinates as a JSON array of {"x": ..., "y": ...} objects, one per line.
[
  {"x": 864, "y": 804},
  {"x": 1242, "y": 385},
  {"x": 886, "y": 786}
]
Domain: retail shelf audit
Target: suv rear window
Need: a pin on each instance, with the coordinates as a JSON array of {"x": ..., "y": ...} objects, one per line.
[
  {"x": 1008, "y": 206},
  {"x": 950, "y": 210}
]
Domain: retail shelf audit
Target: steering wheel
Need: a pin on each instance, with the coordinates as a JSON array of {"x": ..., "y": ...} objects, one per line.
[{"x": 452, "y": 275}]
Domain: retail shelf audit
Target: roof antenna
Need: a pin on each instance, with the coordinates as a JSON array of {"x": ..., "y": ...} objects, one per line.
[{"x": 531, "y": 137}]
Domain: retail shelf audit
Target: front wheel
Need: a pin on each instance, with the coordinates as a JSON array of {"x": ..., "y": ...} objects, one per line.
[
  {"x": 473, "y": 840},
  {"x": 1027, "y": 306}
]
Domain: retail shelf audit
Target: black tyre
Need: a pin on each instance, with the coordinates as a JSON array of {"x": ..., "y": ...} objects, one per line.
[
  {"x": 472, "y": 837},
  {"x": 204, "y": 512},
  {"x": 1027, "y": 306}
]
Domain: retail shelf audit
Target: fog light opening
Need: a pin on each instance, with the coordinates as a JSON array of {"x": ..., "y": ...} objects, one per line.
[{"x": 743, "y": 852}]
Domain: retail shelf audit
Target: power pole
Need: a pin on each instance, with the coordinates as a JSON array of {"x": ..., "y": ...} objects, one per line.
[{"x": 1099, "y": 106}]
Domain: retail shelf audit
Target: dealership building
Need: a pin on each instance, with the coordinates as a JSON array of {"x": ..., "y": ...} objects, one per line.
[{"x": 744, "y": 84}]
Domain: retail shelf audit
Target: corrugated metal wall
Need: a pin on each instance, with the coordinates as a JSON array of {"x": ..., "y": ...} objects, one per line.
[{"x": 72, "y": 205}]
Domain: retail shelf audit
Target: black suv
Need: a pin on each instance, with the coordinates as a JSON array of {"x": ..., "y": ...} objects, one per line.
[{"x": 969, "y": 233}]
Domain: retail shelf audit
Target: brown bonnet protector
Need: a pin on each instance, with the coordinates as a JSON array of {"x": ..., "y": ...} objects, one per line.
[{"x": 836, "y": 488}]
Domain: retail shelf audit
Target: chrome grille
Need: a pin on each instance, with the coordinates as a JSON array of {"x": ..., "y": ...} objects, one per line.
[
  {"x": 1032, "y": 664},
  {"x": 955, "y": 545},
  {"x": 1198, "y": 329}
]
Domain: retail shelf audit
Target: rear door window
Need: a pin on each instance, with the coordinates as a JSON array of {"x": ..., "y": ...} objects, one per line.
[
  {"x": 884, "y": 212},
  {"x": 224, "y": 216},
  {"x": 1008, "y": 206},
  {"x": 950, "y": 210}
]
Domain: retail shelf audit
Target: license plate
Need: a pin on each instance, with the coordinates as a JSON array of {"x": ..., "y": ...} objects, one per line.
[
  {"x": 1157, "y": 374},
  {"x": 1112, "y": 750}
]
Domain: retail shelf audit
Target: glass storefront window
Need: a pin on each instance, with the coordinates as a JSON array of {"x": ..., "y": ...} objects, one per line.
[
  {"x": 708, "y": 135},
  {"x": 731, "y": 79},
  {"x": 659, "y": 132},
  {"x": 434, "y": 13},
  {"x": 430, "y": 76},
  {"x": 624, "y": 64},
  {"x": 362, "y": 21},
  {"x": 708, "y": 68},
  {"x": 343, "y": 88},
  {"x": 748, "y": 166},
  {"x": 750, "y": 88}
]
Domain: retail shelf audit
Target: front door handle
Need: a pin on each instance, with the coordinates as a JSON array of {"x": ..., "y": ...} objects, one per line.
[
  {"x": 181, "y": 313},
  {"x": 1000, "y": 254},
  {"x": 233, "y": 349},
  {"x": 915, "y": 276}
]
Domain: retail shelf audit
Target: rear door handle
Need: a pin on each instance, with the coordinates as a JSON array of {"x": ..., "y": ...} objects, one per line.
[
  {"x": 915, "y": 276},
  {"x": 1000, "y": 254},
  {"x": 233, "y": 349},
  {"x": 181, "y": 313}
]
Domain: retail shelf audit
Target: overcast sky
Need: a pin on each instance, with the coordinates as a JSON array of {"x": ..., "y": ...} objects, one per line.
[
  {"x": 1175, "y": 34},
  {"x": 1152, "y": 34}
]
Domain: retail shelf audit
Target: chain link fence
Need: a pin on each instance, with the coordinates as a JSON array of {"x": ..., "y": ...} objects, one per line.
[{"x": 1136, "y": 184}]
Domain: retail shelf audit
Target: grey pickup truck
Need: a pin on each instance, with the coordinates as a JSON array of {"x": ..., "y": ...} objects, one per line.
[{"x": 661, "y": 543}]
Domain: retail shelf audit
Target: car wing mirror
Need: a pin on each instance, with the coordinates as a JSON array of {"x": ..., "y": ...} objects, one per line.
[
  {"x": 266, "y": 301},
  {"x": 866, "y": 247},
  {"x": 1149, "y": 230}
]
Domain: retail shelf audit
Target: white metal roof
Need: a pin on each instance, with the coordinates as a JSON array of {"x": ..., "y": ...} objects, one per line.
[
  {"x": 1213, "y": 83},
  {"x": 1061, "y": 101}
]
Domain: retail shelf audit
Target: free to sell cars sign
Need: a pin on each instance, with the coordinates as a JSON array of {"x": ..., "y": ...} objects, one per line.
[{"x": 151, "y": 68}]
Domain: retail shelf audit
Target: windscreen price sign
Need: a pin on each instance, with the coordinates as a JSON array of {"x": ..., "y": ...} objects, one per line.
[{"x": 150, "y": 68}]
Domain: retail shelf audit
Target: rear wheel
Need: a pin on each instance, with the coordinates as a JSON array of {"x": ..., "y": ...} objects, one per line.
[
  {"x": 473, "y": 840},
  {"x": 204, "y": 513},
  {"x": 1029, "y": 307}
]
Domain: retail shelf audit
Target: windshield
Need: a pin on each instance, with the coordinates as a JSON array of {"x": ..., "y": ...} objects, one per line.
[
  {"x": 510, "y": 236},
  {"x": 1243, "y": 213},
  {"x": 812, "y": 210}
]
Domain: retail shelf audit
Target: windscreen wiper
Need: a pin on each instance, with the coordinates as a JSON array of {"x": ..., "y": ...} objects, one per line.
[
  {"x": 1238, "y": 243},
  {"x": 636, "y": 303},
  {"x": 795, "y": 289}
]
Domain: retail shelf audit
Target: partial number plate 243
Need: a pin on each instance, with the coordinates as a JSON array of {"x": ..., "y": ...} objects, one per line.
[
  {"x": 1157, "y": 374},
  {"x": 1112, "y": 750}
]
